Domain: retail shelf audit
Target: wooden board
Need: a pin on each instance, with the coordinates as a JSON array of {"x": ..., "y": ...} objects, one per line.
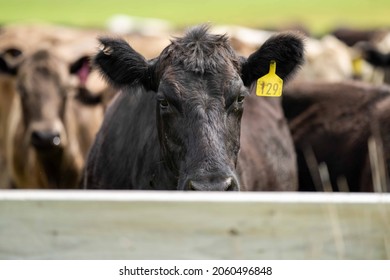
[{"x": 186, "y": 225}]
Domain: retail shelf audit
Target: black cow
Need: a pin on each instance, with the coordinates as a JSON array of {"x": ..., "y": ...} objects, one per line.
[
  {"x": 176, "y": 123},
  {"x": 333, "y": 125}
]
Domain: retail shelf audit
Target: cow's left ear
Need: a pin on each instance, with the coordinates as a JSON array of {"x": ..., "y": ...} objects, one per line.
[{"x": 286, "y": 49}]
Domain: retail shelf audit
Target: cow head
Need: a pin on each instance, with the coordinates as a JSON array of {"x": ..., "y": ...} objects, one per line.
[
  {"x": 200, "y": 85},
  {"x": 45, "y": 83}
]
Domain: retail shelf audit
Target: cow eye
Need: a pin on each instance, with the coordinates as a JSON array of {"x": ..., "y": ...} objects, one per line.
[
  {"x": 240, "y": 99},
  {"x": 163, "y": 103}
]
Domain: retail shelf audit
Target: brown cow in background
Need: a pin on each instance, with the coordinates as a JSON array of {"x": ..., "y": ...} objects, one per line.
[
  {"x": 49, "y": 129},
  {"x": 85, "y": 90},
  {"x": 17, "y": 43}
]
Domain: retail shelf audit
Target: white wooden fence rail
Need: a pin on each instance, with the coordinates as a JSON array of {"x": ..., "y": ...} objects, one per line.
[{"x": 186, "y": 225}]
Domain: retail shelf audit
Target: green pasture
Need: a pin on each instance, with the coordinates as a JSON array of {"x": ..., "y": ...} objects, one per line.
[{"x": 318, "y": 15}]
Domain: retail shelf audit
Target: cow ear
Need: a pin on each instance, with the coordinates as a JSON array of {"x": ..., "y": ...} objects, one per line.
[
  {"x": 81, "y": 68},
  {"x": 10, "y": 61},
  {"x": 121, "y": 65},
  {"x": 286, "y": 49},
  {"x": 372, "y": 55}
]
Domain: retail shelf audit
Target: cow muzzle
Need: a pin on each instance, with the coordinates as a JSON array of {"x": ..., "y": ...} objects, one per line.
[
  {"x": 212, "y": 183},
  {"x": 45, "y": 139}
]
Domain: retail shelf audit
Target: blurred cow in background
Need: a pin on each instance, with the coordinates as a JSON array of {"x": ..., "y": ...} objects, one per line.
[
  {"x": 330, "y": 60},
  {"x": 28, "y": 81},
  {"x": 368, "y": 44},
  {"x": 63, "y": 79},
  {"x": 15, "y": 43},
  {"x": 341, "y": 133},
  {"x": 326, "y": 59},
  {"x": 378, "y": 56},
  {"x": 353, "y": 36},
  {"x": 49, "y": 129}
]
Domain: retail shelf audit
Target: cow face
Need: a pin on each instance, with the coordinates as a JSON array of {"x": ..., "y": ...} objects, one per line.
[
  {"x": 199, "y": 118},
  {"x": 43, "y": 97},
  {"x": 45, "y": 85},
  {"x": 200, "y": 86}
]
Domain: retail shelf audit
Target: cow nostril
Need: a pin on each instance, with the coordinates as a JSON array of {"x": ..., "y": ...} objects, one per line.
[
  {"x": 56, "y": 140},
  {"x": 45, "y": 139},
  {"x": 228, "y": 184},
  {"x": 191, "y": 186},
  {"x": 231, "y": 184}
]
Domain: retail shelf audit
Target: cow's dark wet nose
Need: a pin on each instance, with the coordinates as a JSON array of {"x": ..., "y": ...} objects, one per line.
[
  {"x": 221, "y": 184},
  {"x": 41, "y": 139}
]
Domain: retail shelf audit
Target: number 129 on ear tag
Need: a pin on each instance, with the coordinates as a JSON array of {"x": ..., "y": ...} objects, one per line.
[{"x": 270, "y": 85}]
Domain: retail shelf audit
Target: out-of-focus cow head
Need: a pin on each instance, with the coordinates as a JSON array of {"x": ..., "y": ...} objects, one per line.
[
  {"x": 44, "y": 85},
  {"x": 50, "y": 93}
]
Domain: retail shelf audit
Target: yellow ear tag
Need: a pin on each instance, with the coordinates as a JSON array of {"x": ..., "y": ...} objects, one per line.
[
  {"x": 270, "y": 84},
  {"x": 357, "y": 66}
]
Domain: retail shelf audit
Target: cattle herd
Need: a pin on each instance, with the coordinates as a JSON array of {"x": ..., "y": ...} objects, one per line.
[{"x": 89, "y": 109}]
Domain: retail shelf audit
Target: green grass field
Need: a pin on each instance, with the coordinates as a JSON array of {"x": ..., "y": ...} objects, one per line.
[{"x": 318, "y": 15}]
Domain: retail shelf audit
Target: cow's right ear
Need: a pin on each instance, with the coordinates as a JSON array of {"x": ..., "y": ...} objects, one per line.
[
  {"x": 10, "y": 60},
  {"x": 121, "y": 65}
]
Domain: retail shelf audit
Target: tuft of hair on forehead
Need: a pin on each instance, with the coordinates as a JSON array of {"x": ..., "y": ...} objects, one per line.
[{"x": 201, "y": 52}]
